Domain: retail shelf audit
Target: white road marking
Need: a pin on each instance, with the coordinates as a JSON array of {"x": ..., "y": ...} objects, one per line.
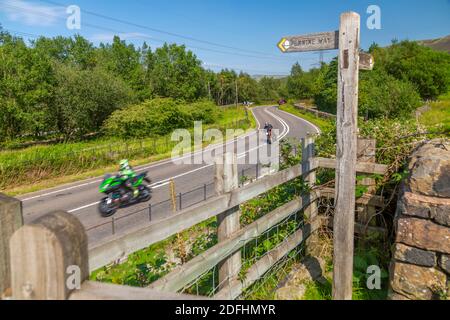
[
  {"x": 138, "y": 169},
  {"x": 309, "y": 123},
  {"x": 84, "y": 207},
  {"x": 286, "y": 130}
]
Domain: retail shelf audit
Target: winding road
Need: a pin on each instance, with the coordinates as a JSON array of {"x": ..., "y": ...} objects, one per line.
[{"x": 193, "y": 182}]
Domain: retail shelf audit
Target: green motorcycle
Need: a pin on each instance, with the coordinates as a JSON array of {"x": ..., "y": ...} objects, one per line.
[{"x": 119, "y": 195}]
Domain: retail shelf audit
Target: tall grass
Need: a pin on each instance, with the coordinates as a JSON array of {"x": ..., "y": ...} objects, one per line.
[
  {"x": 438, "y": 117},
  {"x": 38, "y": 163}
]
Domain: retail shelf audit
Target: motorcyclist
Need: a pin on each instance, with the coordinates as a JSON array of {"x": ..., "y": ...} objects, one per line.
[
  {"x": 127, "y": 174},
  {"x": 268, "y": 127}
]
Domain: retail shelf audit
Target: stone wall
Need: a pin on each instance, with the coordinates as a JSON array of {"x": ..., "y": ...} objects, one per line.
[{"x": 420, "y": 269}]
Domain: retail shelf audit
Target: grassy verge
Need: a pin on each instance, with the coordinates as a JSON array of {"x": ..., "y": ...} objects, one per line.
[
  {"x": 438, "y": 118},
  {"x": 323, "y": 124},
  {"x": 364, "y": 257},
  {"x": 154, "y": 262},
  {"x": 41, "y": 167}
]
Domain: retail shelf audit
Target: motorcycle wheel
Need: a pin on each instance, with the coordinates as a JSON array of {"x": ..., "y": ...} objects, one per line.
[
  {"x": 146, "y": 194},
  {"x": 106, "y": 210}
]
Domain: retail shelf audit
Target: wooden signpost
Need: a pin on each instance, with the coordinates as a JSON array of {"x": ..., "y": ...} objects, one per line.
[
  {"x": 310, "y": 42},
  {"x": 351, "y": 60}
]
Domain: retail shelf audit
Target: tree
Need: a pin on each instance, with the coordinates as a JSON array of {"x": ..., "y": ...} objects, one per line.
[
  {"x": 177, "y": 73},
  {"x": 383, "y": 96},
  {"x": 427, "y": 69},
  {"x": 26, "y": 82},
  {"x": 300, "y": 83},
  {"x": 272, "y": 89},
  {"x": 84, "y": 99},
  {"x": 124, "y": 60}
]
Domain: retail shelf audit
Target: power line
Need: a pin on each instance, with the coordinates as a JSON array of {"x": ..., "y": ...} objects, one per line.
[
  {"x": 20, "y": 33},
  {"x": 207, "y": 65},
  {"x": 164, "y": 32},
  {"x": 143, "y": 36}
]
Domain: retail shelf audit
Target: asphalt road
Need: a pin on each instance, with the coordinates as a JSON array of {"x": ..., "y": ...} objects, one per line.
[{"x": 193, "y": 183}]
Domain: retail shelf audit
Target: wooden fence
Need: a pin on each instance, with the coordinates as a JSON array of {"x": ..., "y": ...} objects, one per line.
[
  {"x": 315, "y": 112},
  {"x": 43, "y": 260}
]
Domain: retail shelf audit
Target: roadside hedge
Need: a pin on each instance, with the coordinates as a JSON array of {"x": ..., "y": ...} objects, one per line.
[{"x": 159, "y": 117}]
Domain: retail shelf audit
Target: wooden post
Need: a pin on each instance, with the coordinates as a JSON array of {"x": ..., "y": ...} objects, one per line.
[
  {"x": 347, "y": 123},
  {"x": 173, "y": 196},
  {"x": 367, "y": 153},
  {"x": 226, "y": 180},
  {"x": 11, "y": 219},
  {"x": 49, "y": 258},
  {"x": 308, "y": 153}
]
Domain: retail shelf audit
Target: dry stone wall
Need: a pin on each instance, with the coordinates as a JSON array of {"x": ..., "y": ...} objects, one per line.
[{"x": 420, "y": 269}]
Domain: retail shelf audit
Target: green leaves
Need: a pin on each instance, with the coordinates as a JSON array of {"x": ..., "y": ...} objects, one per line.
[{"x": 159, "y": 117}]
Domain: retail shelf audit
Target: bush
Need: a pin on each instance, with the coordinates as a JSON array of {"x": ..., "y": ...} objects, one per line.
[
  {"x": 204, "y": 110},
  {"x": 383, "y": 96},
  {"x": 427, "y": 69},
  {"x": 158, "y": 117},
  {"x": 83, "y": 99}
]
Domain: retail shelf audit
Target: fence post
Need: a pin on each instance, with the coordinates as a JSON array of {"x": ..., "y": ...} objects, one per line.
[
  {"x": 347, "y": 123},
  {"x": 367, "y": 153},
  {"x": 257, "y": 170},
  {"x": 173, "y": 196},
  {"x": 11, "y": 219},
  {"x": 226, "y": 179},
  {"x": 308, "y": 153},
  {"x": 49, "y": 258}
]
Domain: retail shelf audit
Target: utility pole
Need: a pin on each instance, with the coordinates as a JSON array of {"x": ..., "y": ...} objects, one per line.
[
  {"x": 209, "y": 90},
  {"x": 237, "y": 92},
  {"x": 237, "y": 101}
]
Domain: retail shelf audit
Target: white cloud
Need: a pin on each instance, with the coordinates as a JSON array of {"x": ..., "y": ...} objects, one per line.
[
  {"x": 108, "y": 37},
  {"x": 31, "y": 14}
]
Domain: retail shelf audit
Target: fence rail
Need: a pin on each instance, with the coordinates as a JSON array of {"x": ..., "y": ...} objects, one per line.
[
  {"x": 30, "y": 266},
  {"x": 315, "y": 112}
]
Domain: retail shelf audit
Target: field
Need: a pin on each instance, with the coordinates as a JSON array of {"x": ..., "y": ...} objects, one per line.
[
  {"x": 321, "y": 123},
  {"x": 438, "y": 117}
]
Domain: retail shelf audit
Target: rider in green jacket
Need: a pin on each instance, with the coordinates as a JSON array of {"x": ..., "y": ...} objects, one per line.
[{"x": 127, "y": 174}]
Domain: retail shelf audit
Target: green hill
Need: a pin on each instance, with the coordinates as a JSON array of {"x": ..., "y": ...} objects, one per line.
[{"x": 441, "y": 44}]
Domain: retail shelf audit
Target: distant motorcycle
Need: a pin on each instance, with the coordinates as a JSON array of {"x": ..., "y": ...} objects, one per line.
[
  {"x": 118, "y": 195},
  {"x": 269, "y": 136}
]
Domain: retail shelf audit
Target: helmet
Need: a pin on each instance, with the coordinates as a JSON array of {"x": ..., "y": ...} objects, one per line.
[{"x": 124, "y": 164}]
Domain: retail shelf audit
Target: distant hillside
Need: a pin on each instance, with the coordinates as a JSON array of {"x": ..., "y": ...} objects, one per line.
[{"x": 441, "y": 44}]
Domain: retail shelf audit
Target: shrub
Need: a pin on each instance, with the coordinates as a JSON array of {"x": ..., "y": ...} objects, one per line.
[
  {"x": 383, "y": 96},
  {"x": 158, "y": 117},
  {"x": 83, "y": 99}
]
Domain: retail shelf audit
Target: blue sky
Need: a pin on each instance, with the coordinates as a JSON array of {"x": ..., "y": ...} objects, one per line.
[{"x": 252, "y": 27}]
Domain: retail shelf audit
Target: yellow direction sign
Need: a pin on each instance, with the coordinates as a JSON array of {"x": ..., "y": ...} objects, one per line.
[{"x": 310, "y": 42}]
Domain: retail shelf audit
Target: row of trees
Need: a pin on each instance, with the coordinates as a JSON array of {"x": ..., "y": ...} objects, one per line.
[{"x": 69, "y": 86}]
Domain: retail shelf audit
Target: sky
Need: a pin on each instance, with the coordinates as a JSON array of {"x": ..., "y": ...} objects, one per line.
[{"x": 235, "y": 34}]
